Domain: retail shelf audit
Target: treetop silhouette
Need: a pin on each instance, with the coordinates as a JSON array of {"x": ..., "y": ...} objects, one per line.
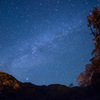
[{"x": 85, "y": 77}]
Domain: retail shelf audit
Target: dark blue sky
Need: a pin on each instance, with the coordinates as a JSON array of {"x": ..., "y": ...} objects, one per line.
[{"x": 45, "y": 41}]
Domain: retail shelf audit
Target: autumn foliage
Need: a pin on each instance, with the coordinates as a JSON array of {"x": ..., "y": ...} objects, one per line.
[
  {"x": 85, "y": 77},
  {"x": 8, "y": 81}
]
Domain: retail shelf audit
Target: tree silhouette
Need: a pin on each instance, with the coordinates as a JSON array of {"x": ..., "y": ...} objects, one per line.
[{"x": 85, "y": 77}]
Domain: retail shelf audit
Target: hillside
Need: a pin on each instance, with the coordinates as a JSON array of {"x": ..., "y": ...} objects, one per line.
[{"x": 12, "y": 89}]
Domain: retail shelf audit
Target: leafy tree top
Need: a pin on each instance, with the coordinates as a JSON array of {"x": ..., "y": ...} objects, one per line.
[{"x": 94, "y": 21}]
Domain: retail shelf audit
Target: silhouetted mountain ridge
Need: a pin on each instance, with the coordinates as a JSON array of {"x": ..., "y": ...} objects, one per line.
[{"x": 12, "y": 89}]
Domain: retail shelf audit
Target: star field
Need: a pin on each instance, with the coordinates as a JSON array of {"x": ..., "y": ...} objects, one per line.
[{"x": 45, "y": 41}]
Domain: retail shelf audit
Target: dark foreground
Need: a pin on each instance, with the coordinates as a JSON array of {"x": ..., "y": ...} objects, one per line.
[{"x": 11, "y": 89}]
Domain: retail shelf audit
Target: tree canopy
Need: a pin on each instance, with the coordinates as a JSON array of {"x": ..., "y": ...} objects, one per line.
[{"x": 85, "y": 77}]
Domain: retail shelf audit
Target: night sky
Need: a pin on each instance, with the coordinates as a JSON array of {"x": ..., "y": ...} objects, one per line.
[{"x": 45, "y": 41}]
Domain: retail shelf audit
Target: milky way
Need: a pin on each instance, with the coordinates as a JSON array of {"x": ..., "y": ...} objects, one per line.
[{"x": 45, "y": 41}]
